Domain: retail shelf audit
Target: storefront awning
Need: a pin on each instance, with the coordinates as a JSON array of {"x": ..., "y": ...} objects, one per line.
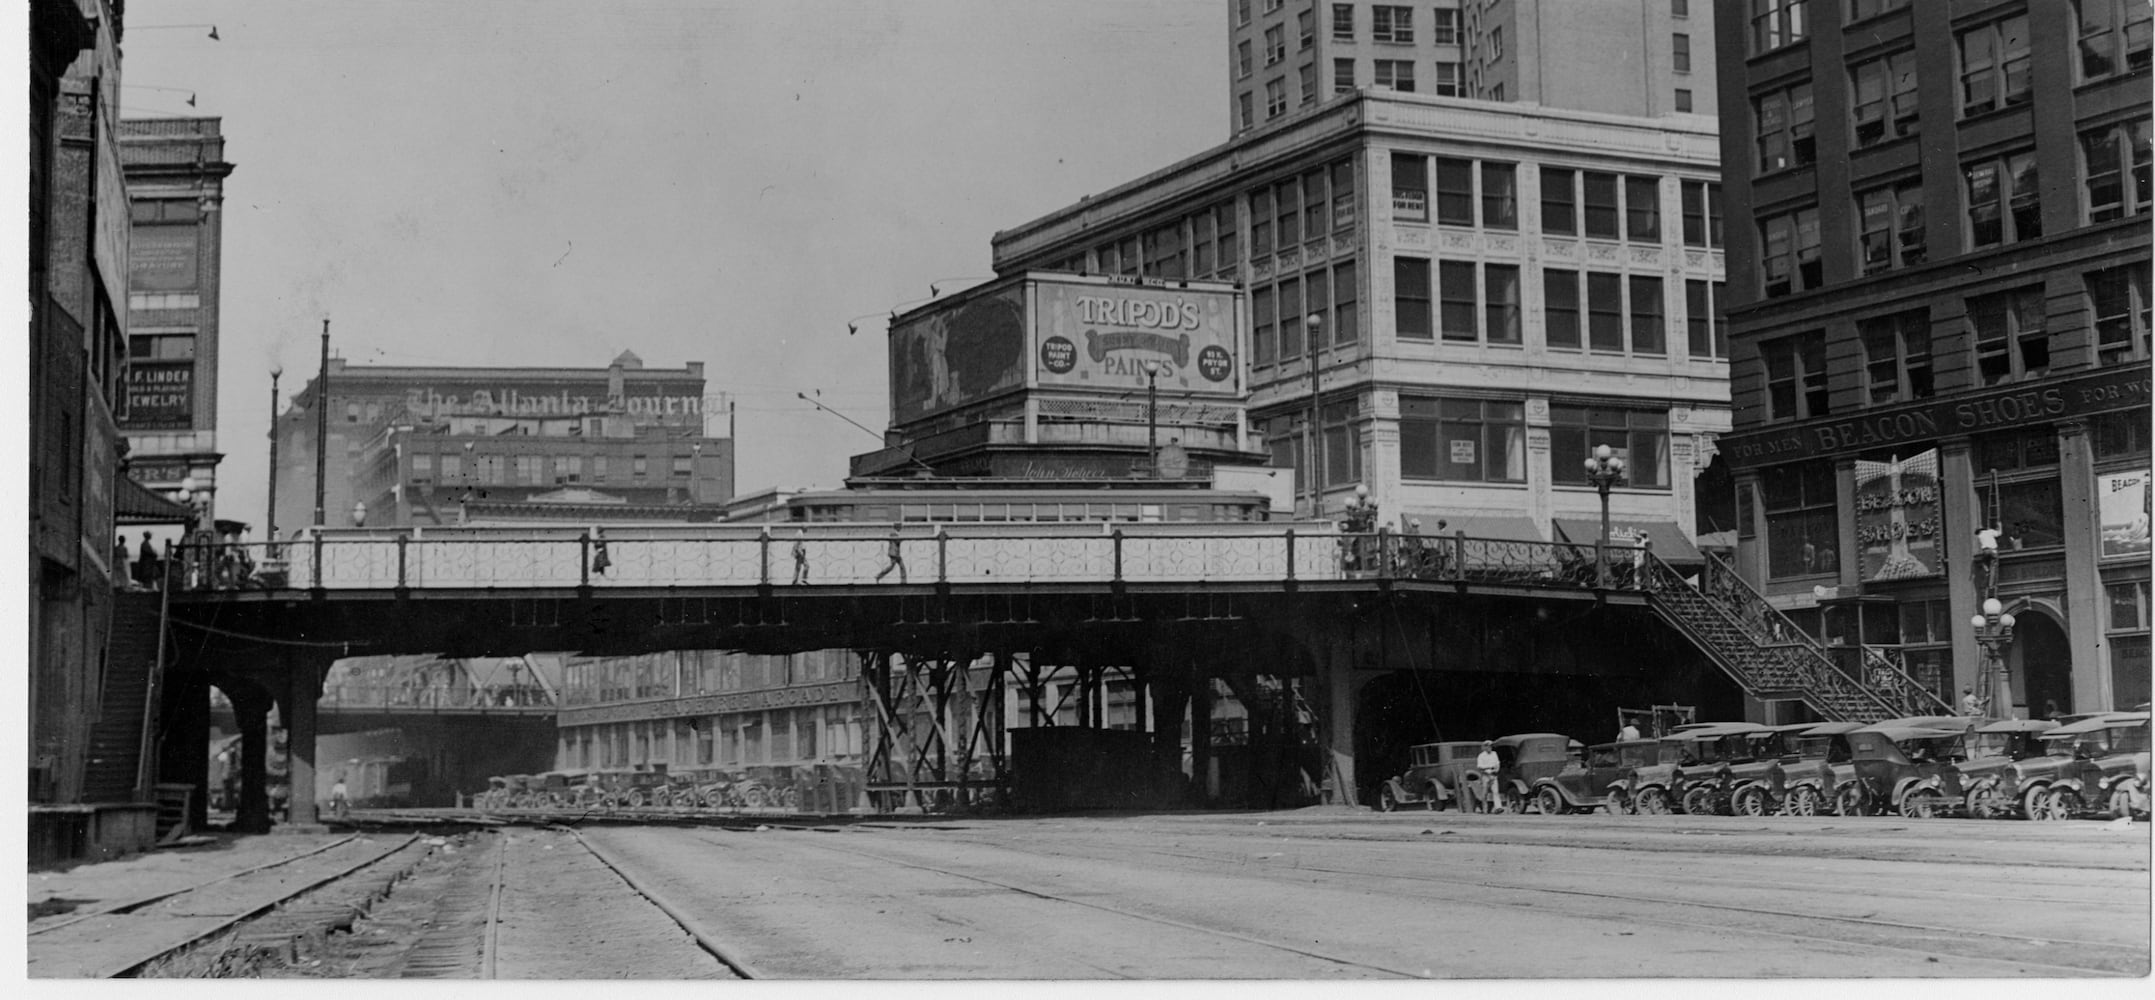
[
  {"x": 134, "y": 503},
  {"x": 1669, "y": 542},
  {"x": 1509, "y": 528}
]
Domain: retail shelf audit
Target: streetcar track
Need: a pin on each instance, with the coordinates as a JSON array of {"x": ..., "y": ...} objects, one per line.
[
  {"x": 726, "y": 955},
  {"x": 1390, "y": 877},
  {"x": 1117, "y": 911},
  {"x": 490, "y": 939},
  {"x": 135, "y": 904}
]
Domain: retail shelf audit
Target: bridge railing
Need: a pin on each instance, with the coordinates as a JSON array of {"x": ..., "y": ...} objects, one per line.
[
  {"x": 430, "y": 698},
  {"x": 880, "y": 554}
]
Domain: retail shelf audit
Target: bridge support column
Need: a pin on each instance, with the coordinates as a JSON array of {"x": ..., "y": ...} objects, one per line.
[
  {"x": 303, "y": 678},
  {"x": 1201, "y": 734},
  {"x": 250, "y": 710},
  {"x": 1336, "y": 684},
  {"x": 184, "y": 732}
]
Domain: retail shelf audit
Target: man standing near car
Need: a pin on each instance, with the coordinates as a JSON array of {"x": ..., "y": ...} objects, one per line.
[{"x": 1487, "y": 763}]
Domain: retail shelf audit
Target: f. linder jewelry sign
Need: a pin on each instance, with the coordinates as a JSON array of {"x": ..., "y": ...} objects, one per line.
[
  {"x": 1897, "y": 517},
  {"x": 1105, "y": 336}
]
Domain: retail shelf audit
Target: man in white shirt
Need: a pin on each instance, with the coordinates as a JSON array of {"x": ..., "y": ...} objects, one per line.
[
  {"x": 1630, "y": 730},
  {"x": 1487, "y": 763}
]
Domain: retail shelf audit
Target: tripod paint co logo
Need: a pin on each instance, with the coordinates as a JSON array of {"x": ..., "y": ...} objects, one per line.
[{"x": 1058, "y": 355}]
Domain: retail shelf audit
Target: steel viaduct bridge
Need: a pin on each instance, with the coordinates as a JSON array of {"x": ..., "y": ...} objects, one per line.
[{"x": 1181, "y": 602}]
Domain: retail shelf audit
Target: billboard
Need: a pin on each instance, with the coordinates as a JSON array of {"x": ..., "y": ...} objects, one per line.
[
  {"x": 162, "y": 259},
  {"x": 160, "y": 396},
  {"x": 1897, "y": 517},
  {"x": 945, "y": 358},
  {"x": 2124, "y": 503},
  {"x": 1101, "y": 336}
]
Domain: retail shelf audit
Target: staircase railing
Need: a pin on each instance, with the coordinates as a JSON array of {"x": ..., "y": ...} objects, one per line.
[
  {"x": 1791, "y": 656},
  {"x": 145, "y": 763}
]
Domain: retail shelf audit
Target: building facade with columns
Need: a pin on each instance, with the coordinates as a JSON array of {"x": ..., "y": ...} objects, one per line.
[
  {"x": 1940, "y": 324},
  {"x": 1479, "y": 292}
]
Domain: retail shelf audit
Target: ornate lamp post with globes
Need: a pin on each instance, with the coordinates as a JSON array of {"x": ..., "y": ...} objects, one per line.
[
  {"x": 1152, "y": 417},
  {"x": 1604, "y": 468},
  {"x": 1994, "y": 632}
]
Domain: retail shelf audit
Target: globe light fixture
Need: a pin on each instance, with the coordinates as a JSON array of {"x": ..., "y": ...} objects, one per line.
[{"x": 1604, "y": 469}]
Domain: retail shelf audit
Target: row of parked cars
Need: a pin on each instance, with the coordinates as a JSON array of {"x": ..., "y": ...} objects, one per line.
[{"x": 1923, "y": 766}]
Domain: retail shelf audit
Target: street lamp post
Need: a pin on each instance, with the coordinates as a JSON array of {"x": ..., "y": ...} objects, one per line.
[
  {"x": 321, "y": 435},
  {"x": 359, "y": 513},
  {"x": 270, "y": 518},
  {"x": 1152, "y": 418},
  {"x": 1994, "y": 632},
  {"x": 1604, "y": 468},
  {"x": 1315, "y": 451}
]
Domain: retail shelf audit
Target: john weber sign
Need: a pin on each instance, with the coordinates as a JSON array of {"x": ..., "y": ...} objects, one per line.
[{"x": 1923, "y": 423}]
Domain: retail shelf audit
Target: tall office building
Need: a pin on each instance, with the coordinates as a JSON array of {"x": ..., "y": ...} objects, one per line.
[
  {"x": 1643, "y": 58},
  {"x": 1939, "y": 316}
]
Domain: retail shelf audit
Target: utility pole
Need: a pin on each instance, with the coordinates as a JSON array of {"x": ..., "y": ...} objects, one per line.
[
  {"x": 274, "y": 374},
  {"x": 321, "y": 433}
]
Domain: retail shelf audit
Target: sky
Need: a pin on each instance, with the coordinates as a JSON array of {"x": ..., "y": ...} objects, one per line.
[{"x": 537, "y": 182}]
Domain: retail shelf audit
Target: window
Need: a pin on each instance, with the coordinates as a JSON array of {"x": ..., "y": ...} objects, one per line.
[
  {"x": 1247, "y": 108},
  {"x": 1499, "y": 196},
  {"x": 1792, "y": 259},
  {"x": 1410, "y": 187},
  {"x": 1706, "y": 328},
  {"x": 598, "y": 468},
  {"x": 640, "y": 465},
  {"x": 1560, "y": 307},
  {"x": 1994, "y": 66},
  {"x": 1316, "y": 301},
  {"x": 2128, "y": 605},
  {"x": 2109, "y": 152},
  {"x": 1275, "y": 44},
  {"x": 1702, "y": 213},
  {"x": 2118, "y": 298},
  {"x": 1455, "y": 293},
  {"x": 1860, "y": 9},
  {"x": 1641, "y": 436},
  {"x": 1264, "y": 325},
  {"x": 1391, "y": 24},
  {"x": 2109, "y": 27},
  {"x": 1410, "y": 280},
  {"x": 1313, "y": 206},
  {"x": 1500, "y": 302},
  {"x": 1397, "y": 74},
  {"x": 1683, "y": 99},
  {"x": 2004, "y": 205},
  {"x": 2121, "y": 433},
  {"x": 2010, "y": 339},
  {"x": 1496, "y": 46},
  {"x": 1785, "y": 133},
  {"x": 1775, "y": 23},
  {"x": 1796, "y": 377},
  {"x": 1261, "y": 221},
  {"x": 1496, "y": 93},
  {"x": 1230, "y": 255},
  {"x": 1273, "y": 5},
  {"x": 1679, "y": 8},
  {"x": 1897, "y": 356},
  {"x": 1342, "y": 75},
  {"x": 1342, "y": 444},
  {"x": 1802, "y": 519},
  {"x": 1642, "y": 209},
  {"x": 1345, "y": 293},
  {"x": 529, "y": 469},
  {"x": 1275, "y": 98},
  {"x": 1559, "y": 203},
  {"x": 161, "y": 347},
  {"x": 1444, "y": 30},
  {"x": 1245, "y": 61},
  {"x": 1892, "y": 223},
  {"x": 1601, "y": 213},
  {"x": 1455, "y": 191},
  {"x": 1242, "y": 11},
  {"x": 1343, "y": 21},
  {"x": 1343, "y": 207},
  {"x": 1462, "y": 440},
  {"x": 1605, "y": 312},
  {"x": 1290, "y": 314},
  {"x": 2026, "y": 501},
  {"x": 1308, "y": 76},
  {"x": 1306, "y": 23},
  {"x": 1649, "y": 332},
  {"x": 1680, "y": 52},
  {"x": 1447, "y": 81},
  {"x": 1884, "y": 103}
]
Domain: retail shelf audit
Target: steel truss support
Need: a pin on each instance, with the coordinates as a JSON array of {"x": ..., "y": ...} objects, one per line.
[{"x": 939, "y": 729}]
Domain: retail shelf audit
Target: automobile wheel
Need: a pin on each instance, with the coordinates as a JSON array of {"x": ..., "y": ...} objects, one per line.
[
  {"x": 1985, "y": 803},
  {"x": 1923, "y": 803},
  {"x": 1653, "y": 802},
  {"x": 1699, "y": 801},
  {"x": 1620, "y": 803},
  {"x": 1432, "y": 800},
  {"x": 636, "y": 800},
  {"x": 1804, "y": 801},
  {"x": 2121, "y": 802},
  {"x": 1751, "y": 802},
  {"x": 1386, "y": 802},
  {"x": 1511, "y": 801},
  {"x": 1851, "y": 800},
  {"x": 2061, "y": 803},
  {"x": 2032, "y": 801},
  {"x": 1550, "y": 800}
]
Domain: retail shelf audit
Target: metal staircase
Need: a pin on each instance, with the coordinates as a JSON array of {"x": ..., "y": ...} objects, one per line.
[
  {"x": 1774, "y": 660},
  {"x": 120, "y": 741}
]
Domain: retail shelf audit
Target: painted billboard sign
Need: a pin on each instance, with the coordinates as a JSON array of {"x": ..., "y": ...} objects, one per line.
[
  {"x": 160, "y": 396},
  {"x": 162, "y": 259},
  {"x": 951, "y": 357},
  {"x": 1102, "y": 336},
  {"x": 2124, "y": 502},
  {"x": 1898, "y": 519}
]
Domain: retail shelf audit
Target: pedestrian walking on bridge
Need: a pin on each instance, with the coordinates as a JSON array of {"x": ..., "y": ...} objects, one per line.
[{"x": 897, "y": 558}]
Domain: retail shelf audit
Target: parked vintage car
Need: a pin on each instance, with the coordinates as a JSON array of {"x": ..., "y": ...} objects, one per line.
[
  {"x": 1705, "y": 785},
  {"x": 1432, "y": 777},
  {"x": 1596, "y": 780},
  {"x": 1759, "y": 786},
  {"x": 2107, "y": 774},
  {"x": 2006, "y": 757},
  {"x": 1813, "y": 782},
  {"x": 1658, "y": 787},
  {"x": 1905, "y": 769},
  {"x": 1527, "y": 759}
]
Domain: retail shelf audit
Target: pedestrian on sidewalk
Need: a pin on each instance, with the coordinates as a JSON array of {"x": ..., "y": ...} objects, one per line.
[
  {"x": 800, "y": 558},
  {"x": 897, "y": 558}
]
